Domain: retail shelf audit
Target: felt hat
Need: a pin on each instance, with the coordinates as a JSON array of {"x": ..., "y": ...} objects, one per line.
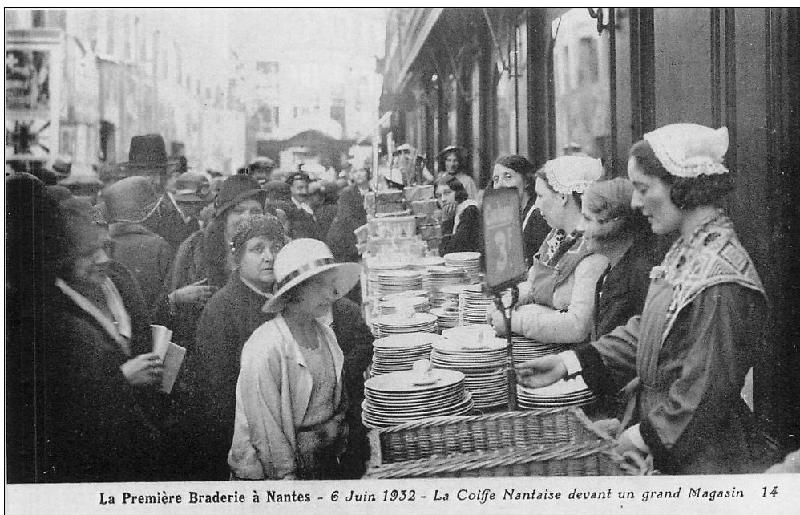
[
  {"x": 302, "y": 259},
  {"x": 192, "y": 187},
  {"x": 148, "y": 153},
  {"x": 235, "y": 189},
  {"x": 132, "y": 199}
]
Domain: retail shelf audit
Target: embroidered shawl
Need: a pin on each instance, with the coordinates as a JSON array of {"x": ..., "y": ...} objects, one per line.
[{"x": 712, "y": 255}]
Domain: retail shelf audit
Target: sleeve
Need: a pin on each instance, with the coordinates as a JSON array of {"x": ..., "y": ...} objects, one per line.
[
  {"x": 355, "y": 339},
  {"x": 467, "y": 236},
  {"x": 207, "y": 366},
  {"x": 610, "y": 362},
  {"x": 707, "y": 354},
  {"x": 573, "y": 325},
  {"x": 259, "y": 391},
  {"x": 340, "y": 237}
]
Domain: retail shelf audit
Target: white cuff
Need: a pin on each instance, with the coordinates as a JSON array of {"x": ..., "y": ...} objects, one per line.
[
  {"x": 636, "y": 437},
  {"x": 571, "y": 362}
]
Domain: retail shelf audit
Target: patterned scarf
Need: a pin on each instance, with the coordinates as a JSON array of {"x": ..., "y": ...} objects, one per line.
[{"x": 711, "y": 255}]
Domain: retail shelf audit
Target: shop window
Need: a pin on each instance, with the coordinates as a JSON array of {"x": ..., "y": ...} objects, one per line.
[{"x": 581, "y": 83}]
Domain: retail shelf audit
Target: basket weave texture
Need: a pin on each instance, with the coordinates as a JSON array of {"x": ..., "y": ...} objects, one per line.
[
  {"x": 551, "y": 442},
  {"x": 459, "y": 434}
]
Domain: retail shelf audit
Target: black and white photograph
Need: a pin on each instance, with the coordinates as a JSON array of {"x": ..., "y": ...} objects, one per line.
[{"x": 367, "y": 259}]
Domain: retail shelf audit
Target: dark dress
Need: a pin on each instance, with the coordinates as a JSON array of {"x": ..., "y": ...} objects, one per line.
[
  {"x": 622, "y": 290},
  {"x": 534, "y": 231},
  {"x": 467, "y": 236}
]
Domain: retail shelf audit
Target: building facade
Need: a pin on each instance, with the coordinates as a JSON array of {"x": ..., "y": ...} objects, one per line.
[
  {"x": 315, "y": 71},
  {"x": 124, "y": 72},
  {"x": 543, "y": 82}
]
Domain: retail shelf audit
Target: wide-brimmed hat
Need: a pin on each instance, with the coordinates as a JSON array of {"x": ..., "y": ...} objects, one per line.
[
  {"x": 132, "y": 199},
  {"x": 192, "y": 187},
  {"x": 235, "y": 189},
  {"x": 302, "y": 259},
  {"x": 148, "y": 153}
]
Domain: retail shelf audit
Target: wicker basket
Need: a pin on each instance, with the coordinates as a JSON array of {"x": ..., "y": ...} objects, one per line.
[
  {"x": 572, "y": 459},
  {"x": 444, "y": 436}
]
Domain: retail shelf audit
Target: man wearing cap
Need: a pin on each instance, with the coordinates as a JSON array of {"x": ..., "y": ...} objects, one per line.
[
  {"x": 129, "y": 203},
  {"x": 192, "y": 193},
  {"x": 302, "y": 222}
]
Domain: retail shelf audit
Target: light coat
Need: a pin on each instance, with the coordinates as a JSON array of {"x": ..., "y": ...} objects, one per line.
[{"x": 272, "y": 396}]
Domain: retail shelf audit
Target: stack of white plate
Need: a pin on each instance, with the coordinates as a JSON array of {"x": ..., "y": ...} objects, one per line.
[
  {"x": 440, "y": 277},
  {"x": 475, "y": 304},
  {"x": 526, "y": 349},
  {"x": 376, "y": 268},
  {"x": 400, "y": 397},
  {"x": 470, "y": 262},
  {"x": 421, "y": 264},
  {"x": 386, "y": 325},
  {"x": 397, "y": 281},
  {"x": 482, "y": 361},
  {"x": 399, "y": 352},
  {"x": 399, "y": 303},
  {"x": 567, "y": 392},
  {"x": 447, "y": 317}
]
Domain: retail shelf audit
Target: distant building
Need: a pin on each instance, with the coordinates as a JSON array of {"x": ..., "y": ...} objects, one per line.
[
  {"x": 117, "y": 73},
  {"x": 316, "y": 71}
]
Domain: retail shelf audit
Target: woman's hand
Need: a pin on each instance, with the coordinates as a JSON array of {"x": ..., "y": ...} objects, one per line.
[
  {"x": 195, "y": 293},
  {"x": 448, "y": 211},
  {"x": 143, "y": 370},
  {"x": 540, "y": 372}
]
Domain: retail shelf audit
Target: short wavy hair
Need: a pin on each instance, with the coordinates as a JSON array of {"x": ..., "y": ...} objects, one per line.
[
  {"x": 685, "y": 192},
  {"x": 522, "y": 166}
]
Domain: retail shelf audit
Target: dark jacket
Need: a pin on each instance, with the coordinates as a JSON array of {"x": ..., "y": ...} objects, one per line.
[
  {"x": 302, "y": 224},
  {"x": 228, "y": 320},
  {"x": 468, "y": 236},
  {"x": 94, "y": 425},
  {"x": 198, "y": 258},
  {"x": 147, "y": 255},
  {"x": 325, "y": 215},
  {"x": 534, "y": 231},
  {"x": 168, "y": 223},
  {"x": 350, "y": 215},
  {"x": 621, "y": 292}
]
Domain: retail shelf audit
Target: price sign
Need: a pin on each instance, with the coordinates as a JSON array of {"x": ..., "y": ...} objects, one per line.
[{"x": 502, "y": 234}]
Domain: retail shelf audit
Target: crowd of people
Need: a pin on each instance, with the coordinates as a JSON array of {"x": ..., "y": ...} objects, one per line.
[{"x": 643, "y": 278}]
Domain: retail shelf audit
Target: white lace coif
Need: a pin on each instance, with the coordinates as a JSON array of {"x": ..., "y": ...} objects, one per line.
[
  {"x": 690, "y": 150},
  {"x": 573, "y": 174}
]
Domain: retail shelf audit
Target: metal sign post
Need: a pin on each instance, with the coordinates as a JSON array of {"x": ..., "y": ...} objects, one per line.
[{"x": 505, "y": 263}]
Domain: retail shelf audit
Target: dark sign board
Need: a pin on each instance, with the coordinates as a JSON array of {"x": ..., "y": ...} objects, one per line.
[{"x": 502, "y": 236}]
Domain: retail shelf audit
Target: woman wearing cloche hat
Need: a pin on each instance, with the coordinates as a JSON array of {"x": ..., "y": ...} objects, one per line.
[
  {"x": 687, "y": 355},
  {"x": 557, "y": 300},
  {"x": 289, "y": 397}
]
